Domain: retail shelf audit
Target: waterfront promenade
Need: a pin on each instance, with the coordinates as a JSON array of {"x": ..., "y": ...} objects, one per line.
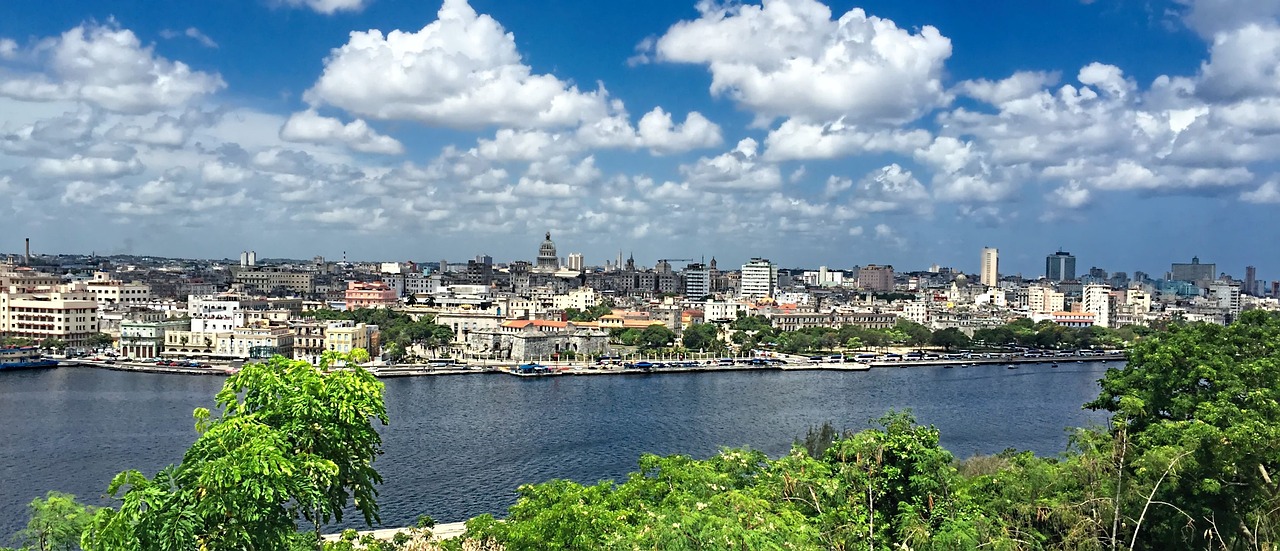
[{"x": 794, "y": 363}]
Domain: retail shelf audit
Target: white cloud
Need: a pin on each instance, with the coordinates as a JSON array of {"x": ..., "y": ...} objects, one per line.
[
  {"x": 739, "y": 169},
  {"x": 461, "y": 71},
  {"x": 309, "y": 126},
  {"x": 891, "y": 189},
  {"x": 79, "y": 167},
  {"x": 1242, "y": 63},
  {"x": 108, "y": 67},
  {"x": 788, "y": 58},
  {"x": 1209, "y": 17},
  {"x": 798, "y": 140},
  {"x": 658, "y": 133},
  {"x": 192, "y": 33},
  {"x": 8, "y": 48},
  {"x": 328, "y": 7},
  {"x": 1268, "y": 192},
  {"x": 1071, "y": 195},
  {"x": 1020, "y": 85}
]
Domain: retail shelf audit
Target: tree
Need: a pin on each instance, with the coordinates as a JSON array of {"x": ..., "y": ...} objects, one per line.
[
  {"x": 56, "y": 523},
  {"x": 1200, "y": 404},
  {"x": 702, "y": 336},
  {"x": 916, "y": 334},
  {"x": 54, "y": 343},
  {"x": 291, "y": 441},
  {"x": 656, "y": 336},
  {"x": 950, "y": 338},
  {"x": 100, "y": 340}
]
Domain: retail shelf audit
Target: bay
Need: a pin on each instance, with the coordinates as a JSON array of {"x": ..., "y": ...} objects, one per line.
[{"x": 459, "y": 446}]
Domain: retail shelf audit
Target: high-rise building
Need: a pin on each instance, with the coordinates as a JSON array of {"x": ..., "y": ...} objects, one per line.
[
  {"x": 990, "y": 273},
  {"x": 759, "y": 278},
  {"x": 1250, "y": 277},
  {"x": 697, "y": 281},
  {"x": 1195, "y": 272},
  {"x": 1226, "y": 295},
  {"x": 876, "y": 278},
  {"x": 1097, "y": 299},
  {"x": 1060, "y": 266},
  {"x": 575, "y": 262}
]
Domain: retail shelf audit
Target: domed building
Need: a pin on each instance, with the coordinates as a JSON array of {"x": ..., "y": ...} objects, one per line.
[{"x": 548, "y": 261}]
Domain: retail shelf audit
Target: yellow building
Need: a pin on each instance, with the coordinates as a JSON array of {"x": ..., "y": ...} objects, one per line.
[{"x": 65, "y": 312}]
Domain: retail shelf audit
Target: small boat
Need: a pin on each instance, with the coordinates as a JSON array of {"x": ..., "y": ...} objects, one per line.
[
  {"x": 1054, "y": 365},
  {"x": 1013, "y": 366},
  {"x": 948, "y": 366}
]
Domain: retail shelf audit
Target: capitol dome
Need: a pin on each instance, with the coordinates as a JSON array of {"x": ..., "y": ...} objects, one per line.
[{"x": 548, "y": 261}]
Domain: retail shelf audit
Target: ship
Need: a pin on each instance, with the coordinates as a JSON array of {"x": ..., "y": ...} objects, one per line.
[{"x": 23, "y": 357}]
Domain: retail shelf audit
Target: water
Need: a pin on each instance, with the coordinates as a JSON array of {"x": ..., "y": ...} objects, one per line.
[{"x": 459, "y": 446}]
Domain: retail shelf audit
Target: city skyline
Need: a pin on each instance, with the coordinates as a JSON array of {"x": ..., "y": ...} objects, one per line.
[{"x": 448, "y": 129}]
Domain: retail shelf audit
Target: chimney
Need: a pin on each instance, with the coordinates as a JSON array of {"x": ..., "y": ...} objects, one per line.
[{"x": 26, "y": 259}]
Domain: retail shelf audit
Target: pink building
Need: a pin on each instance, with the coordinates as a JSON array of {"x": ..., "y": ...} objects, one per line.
[{"x": 374, "y": 294}]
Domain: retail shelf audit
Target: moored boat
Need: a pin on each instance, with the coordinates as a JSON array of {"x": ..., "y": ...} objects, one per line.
[{"x": 24, "y": 357}]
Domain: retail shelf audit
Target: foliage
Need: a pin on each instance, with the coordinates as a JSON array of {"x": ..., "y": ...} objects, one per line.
[
  {"x": 395, "y": 328},
  {"x": 950, "y": 338},
  {"x": 56, "y": 522},
  {"x": 291, "y": 441},
  {"x": 1207, "y": 395},
  {"x": 702, "y": 336},
  {"x": 100, "y": 340},
  {"x": 656, "y": 336},
  {"x": 53, "y": 343},
  {"x": 590, "y": 314}
]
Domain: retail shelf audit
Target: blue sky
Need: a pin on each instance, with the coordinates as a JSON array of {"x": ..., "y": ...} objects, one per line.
[{"x": 1130, "y": 133}]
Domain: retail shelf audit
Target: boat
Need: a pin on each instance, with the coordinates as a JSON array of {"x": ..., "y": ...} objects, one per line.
[
  {"x": 24, "y": 357},
  {"x": 948, "y": 366},
  {"x": 1013, "y": 366},
  {"x": 1055, "y": 364}
]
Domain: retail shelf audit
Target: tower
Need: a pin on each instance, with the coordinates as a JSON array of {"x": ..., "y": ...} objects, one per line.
[
  {"x": 1060, "y": 266},
  {"x": 990, "y": 273},
  {"x": 547, "y": 259}
]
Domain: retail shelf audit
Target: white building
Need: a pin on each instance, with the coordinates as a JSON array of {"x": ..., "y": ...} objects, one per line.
[
  {"x": 65, "y": 312},
  {"x": 759, "y": 278},
  {"x": 1097, "y": 300},
  {"x": 1226, "y": 296},
  {"x": 108, "y": 291},
  {"x": 213, "y": 314},
  {"x": 1043, "y": 300},
  {"x": 917, "y": 311},
  {"x": 581, "y": 298},
  {"x": 990, "y": 273},
  {"x": 697, "y": 281}
]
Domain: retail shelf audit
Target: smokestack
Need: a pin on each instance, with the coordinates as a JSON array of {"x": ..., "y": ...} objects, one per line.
[{"x": 26, "y": 259}]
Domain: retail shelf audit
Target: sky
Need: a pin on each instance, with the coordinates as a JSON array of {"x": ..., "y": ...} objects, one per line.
[{"x": 1133, "y": 134}]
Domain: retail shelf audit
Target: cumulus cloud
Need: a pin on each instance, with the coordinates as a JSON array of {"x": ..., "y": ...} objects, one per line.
[
  {"x": 8, "y": 48},
  {"x": 1243, "y": 63},
  {"x": 461, "y": 71},
  {"x": 740, "y": 169},
  {"x": 798, "y": 140},
  {"x": 789, "y": 58},
  {"x": 108, "y": 67},
  {"x": 79, "y": 167},
  {"x": 1268, "y": 192},
  {"x": 309, "y": 126},
  {"x": 327, "y": 7},
  {"x": 1209, "y": 17},
  {"x": 890, "y": 189},
  {"x": 658, "y": 133}
]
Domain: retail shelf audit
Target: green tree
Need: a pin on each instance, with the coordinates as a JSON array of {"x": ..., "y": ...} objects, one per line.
[
  {"x": 291, "y": 441},
  {"x": 1201, "y": 408},
  {"x": 56, "y": 522},
  {"x": 702, "y": 336},
  {"x": 100, "y": 340},
  {"x": 917, "y": 334},
  {"x": 656, "y": 336},
  {"x": 950, "y": 338},
  {"x": 54, "y": 343}
]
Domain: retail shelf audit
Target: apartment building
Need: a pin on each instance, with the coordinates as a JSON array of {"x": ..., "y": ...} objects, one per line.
[{"x": 65, "y": 312}]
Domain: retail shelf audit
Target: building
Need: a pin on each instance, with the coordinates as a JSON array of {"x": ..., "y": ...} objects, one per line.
[
  {"x": 145, "y": 339},
  {"x": 1195, "y": 272},
  {"x": 1226, "y": 296},
  {"x": 990, "y": 269},
  {"x": 345, "y": 336},
  {"x": 372, "y": 294},
  {"x": 574, "y": 262},
  {"x": 1096, "y": 299},
  {"x": 1060, "y": 266},
  {"x": 248, "y": 258},
  {"x": 65, "y": 312},
  {"x": 532, "y": 340},
  {"x": 1251, "y": 280},
  {"x": 214, "y": 313},
  {"x": 268, "y": 279},
  {"x": 876, "y": 278},
  {"x": 759, "y": 278},
  {"x": 697, "y": 281},
  {"x": 547, "y": 260},
  {"x": 1044, "y": 300},
  {"x": 108, "y": 291}
]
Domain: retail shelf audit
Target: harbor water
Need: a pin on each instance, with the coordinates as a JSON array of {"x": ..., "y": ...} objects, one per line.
[{"x": 459, "y": 446}]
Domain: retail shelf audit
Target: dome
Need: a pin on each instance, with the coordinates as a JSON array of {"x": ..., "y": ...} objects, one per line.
[{"x": 548, "y": 261}]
